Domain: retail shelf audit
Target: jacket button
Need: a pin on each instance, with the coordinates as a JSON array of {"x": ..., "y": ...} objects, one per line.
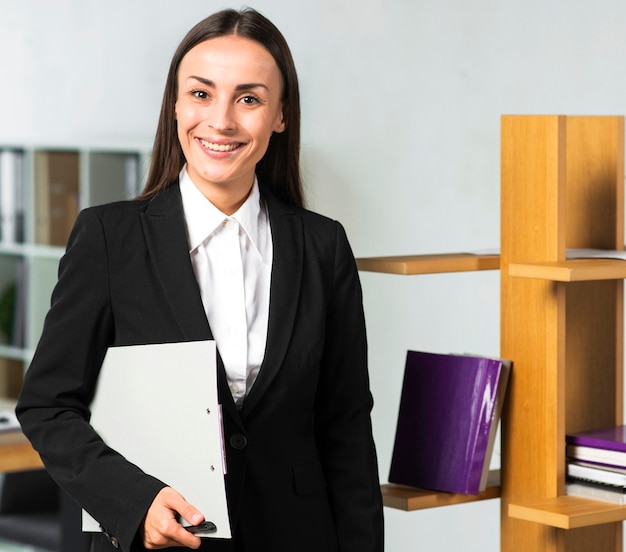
[
  {"x": 238, "y": 441},
  {"x": 114, "y": 542}
]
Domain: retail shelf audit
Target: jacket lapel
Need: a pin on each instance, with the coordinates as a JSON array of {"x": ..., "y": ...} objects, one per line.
[
  {"x": 287, "y": 266},
  {"x": 164, "y": 227},
  {"x": 166, "y": 237}
]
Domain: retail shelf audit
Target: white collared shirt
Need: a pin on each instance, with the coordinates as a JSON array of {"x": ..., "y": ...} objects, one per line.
[{"x": 232, "y": 260}]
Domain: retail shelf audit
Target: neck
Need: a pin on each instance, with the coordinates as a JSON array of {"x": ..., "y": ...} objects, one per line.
[
  {"x": 228, "y": 203},
  {"x": 227, "y": 197}
]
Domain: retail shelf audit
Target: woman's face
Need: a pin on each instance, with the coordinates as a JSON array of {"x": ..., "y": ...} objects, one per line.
[{"x": 228, "y": 106}]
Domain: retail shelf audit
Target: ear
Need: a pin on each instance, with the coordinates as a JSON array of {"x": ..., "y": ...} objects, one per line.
[{"x": 280, "y": 124}]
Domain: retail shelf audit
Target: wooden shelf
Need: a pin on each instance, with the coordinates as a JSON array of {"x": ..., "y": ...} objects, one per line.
[
  {"x": 562, "y": 185},
  {"x": 568, "y": 512},
  {"x": 16, "y": 453},
  {"x": 33, "y": 250},
  {"x": 562, "y": 182},
  {"x": 409, "y": 499},
  {"x": 15, "y": 353},
  {"x": 571, "y": 270},
  {"x": 429, "y": 264}
]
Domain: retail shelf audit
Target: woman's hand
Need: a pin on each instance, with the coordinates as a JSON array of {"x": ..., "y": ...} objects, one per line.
[{"x": 161, "y": 528}]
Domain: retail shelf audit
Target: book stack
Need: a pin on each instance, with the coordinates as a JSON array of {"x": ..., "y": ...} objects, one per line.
[
  {"x": 56, "y": 188},
  {"x": 11, "y": 196},
  {"x": 449, "y": 412},
  {"x": 596, "y": 464},
  {"x": 12, "y": 307}
]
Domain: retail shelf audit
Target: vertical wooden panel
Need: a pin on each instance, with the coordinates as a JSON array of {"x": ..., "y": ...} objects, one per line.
[
  {"x": 594, "y": 328},
  {"x": 532, "y": 321},
  {"x": 562, "y": 186}
]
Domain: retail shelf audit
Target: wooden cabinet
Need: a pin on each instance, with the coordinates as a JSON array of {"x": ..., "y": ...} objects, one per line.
[{"x": 561, "y": 324}]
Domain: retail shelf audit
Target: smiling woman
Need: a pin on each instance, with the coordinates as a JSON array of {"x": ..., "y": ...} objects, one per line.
[
  {"x": 279, "y": 167},
  {"x": 219, "y": 247},
  {"x": 228, "y": 106}
]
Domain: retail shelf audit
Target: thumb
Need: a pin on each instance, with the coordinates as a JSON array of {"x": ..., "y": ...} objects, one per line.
[{"x": 188, "y": 512}]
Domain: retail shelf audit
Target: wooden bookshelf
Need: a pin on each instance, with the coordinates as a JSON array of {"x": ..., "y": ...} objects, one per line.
[{"x": 561, "y": 324}]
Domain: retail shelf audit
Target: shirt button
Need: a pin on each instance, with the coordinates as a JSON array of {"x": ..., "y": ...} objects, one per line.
[{"x": 238, "y": 441}]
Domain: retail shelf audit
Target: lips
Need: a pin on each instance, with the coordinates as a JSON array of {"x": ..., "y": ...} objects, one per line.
[{"x": 213, "y": 146}]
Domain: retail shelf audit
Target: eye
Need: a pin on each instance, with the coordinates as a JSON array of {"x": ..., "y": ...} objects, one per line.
[
  {"x": 249, "y": 100},
  {"x": 200, "y": 94}
]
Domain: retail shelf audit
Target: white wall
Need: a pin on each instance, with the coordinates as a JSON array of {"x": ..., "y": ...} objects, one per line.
[{"x": 401, "y": 103}]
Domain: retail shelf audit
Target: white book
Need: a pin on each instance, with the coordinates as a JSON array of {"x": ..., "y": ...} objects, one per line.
[
  {"x": 596, "y": 455},
  {"x": 599, "y": 474},
  {"x": 596, "y": 492},
  {"x": 183, "y": 445}
]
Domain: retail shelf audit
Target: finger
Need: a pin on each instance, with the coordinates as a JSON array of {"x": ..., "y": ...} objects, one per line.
[
  {"x": 161, "y": 528},
  {"x": 168, "y": 535}
]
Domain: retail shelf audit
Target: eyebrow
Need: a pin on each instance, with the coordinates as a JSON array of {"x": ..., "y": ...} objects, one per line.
[{"x": 239, "y": 87}]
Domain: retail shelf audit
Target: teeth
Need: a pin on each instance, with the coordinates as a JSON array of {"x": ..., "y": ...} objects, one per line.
[{"x": 218, "y": 147}]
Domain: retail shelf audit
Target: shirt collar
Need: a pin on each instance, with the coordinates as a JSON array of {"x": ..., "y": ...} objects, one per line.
[{"x": 203, "y": 218}]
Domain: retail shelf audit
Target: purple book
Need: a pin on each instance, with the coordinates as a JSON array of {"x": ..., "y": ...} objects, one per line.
[
  {"x": 449, "y": 412},
  {"x": 608, "y": 438}
]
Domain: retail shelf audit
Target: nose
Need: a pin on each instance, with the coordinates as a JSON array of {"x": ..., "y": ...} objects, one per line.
[{"x": 220, "y": 116}]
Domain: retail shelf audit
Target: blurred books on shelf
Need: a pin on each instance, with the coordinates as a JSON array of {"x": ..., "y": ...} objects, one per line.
[
  {"x": 12, "y": 308},
  {"x": 56, "y": 187},
  {"x": 11, "y": 379},
  {"x": 11, "y": 196},
  {"x": 450, "y": 407}
]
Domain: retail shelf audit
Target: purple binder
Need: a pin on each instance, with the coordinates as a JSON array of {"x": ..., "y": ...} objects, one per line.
[
  {"x": 609, "y": 438},
  {"x": 447, "y": 422}
]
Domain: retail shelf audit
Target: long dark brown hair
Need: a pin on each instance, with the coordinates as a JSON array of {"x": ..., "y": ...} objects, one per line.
[{"x": 279, "y": 169}]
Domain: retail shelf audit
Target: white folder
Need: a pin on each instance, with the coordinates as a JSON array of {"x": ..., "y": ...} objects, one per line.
[{"x": 157, "y": 406}]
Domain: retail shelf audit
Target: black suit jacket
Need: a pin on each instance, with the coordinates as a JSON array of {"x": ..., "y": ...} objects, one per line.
[{"x": 302, "y": 472}]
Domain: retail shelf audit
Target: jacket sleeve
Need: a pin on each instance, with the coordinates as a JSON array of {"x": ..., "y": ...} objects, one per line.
[
  {"x": 53, "y": 407},
  {"x": 343, "y": 406}
]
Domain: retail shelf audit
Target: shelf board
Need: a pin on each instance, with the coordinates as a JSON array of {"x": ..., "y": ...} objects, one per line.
[
  {"x": 16, "y": 453},
  {"x": 15, "y": 353},
  {"x": 409, "y": 499},
  {"x": 429, "y": 264},
  {"x": 568, "y": 512},
  {"x": 32, "y": 250},
  {"x": 571, "y": 270}
]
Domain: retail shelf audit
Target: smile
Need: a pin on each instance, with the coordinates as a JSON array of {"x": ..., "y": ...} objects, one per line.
[{"x": 219, "y": 147}]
